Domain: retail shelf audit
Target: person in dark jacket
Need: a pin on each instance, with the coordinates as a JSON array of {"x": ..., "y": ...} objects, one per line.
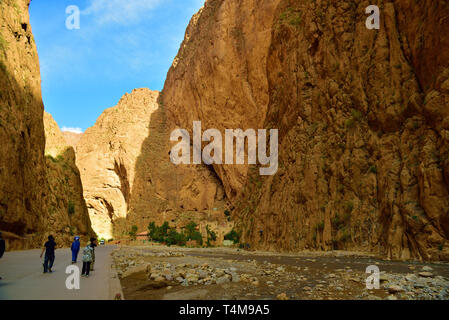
[
  {"x": 49, "y": 248},
  {"x": 75, "y": 249},
  {"x": 2, "y": 247}
]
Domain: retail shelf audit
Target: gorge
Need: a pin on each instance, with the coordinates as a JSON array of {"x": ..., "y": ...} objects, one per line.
[{"x": 363, "y": 124}]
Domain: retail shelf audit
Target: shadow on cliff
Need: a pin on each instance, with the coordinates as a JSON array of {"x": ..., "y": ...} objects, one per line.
[
  {"x": 27, "y": 176},
  {"x": 154, "y": 178},
  {"x": 22, "y": 166},
  {"x": 161, "y": 190}
]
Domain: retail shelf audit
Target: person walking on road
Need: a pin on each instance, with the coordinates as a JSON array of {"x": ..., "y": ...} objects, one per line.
[
  {"x": 75, "y": 249},
  {"x": 93, "y": 244},
  {"x": 87, "y": 260},
  {"x": 49, "y": 248},
  {"x": 2, "y": 247}
]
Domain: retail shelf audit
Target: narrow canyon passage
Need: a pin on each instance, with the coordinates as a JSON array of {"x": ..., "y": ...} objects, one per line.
[{"x": 361, "y": 150}]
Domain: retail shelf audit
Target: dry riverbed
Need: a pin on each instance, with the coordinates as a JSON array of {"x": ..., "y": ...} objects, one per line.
[{"x": 159, "y": 272}]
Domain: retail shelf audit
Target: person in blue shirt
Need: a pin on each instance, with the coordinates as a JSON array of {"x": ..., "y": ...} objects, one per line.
[{"x": 75, "y": 249}]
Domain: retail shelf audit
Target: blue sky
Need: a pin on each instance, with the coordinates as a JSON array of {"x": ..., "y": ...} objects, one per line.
[{"x": 121, "y": 45}]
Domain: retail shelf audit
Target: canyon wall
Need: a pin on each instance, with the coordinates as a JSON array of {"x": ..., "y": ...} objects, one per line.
[
  {"x": 363, "y": 133},
  {"x": 219, "y": 74},
  {"x": 362, "y": 118},
  {"x": 32, "y": 193},
  {"x": 67, "y": 210},
  {"x": 106, "y": 156},
  {"x": 128, "y": 178},
  {"x": 23, "y": 185}
]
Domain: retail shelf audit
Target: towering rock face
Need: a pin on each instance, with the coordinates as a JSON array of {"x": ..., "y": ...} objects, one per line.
[
  {"x": 362, "y": 118},
  {"x": 67, "y": 209},
  {"x": 35, "y": 192},
  {"x": 106, "y": 156},
  {"x": 23, "y": 185},
  {"x": 219, "y": 75},
  {"x": 129, "y": 180}
]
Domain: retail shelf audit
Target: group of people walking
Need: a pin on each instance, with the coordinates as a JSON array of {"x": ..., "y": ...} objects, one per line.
[
  {"x": 88, "y": 257},
  {"x": 49, "y": 248},
  {"x": 88, "y": 254}
]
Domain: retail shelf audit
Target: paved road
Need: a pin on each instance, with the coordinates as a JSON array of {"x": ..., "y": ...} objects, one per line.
[{"x": 23, "y": 276}]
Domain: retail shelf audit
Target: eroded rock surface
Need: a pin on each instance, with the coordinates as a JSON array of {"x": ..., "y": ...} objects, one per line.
[
  {"x": 106, "y": 156},
  {"x": 23, "y": 185},
  {"x": 129, "y": 180},
  {"x": 362, "y": 119},
  {"x": 34, "y": 191},
  {"x": 67, "y": 209}
]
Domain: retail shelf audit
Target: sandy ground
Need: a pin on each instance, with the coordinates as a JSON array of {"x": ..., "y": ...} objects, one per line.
[
  {"x": 23, "y": 277},
  {"x": 157, "y": 272}
]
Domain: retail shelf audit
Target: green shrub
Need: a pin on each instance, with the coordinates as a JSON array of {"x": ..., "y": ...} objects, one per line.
[
  {"x": 291, "y": 17},
  {"x": 320, "y": 226},
  {"x": 349, "y": 206},
  {"x": 232, "y": 236},
  {"x": 356, "y": 116},
  {"x": 192, "y": 234},
  {"x": 191, "y": 228},
  {"x": 175, "y": 238},
  {"x": 338, "y": 222},
  {"x": 373, "y": 169},
  {"x": 158, "y": 234},
  {"x": 196, "y": 236},
  {"x": 151, "y": 230},
  {"x": 133, "y": 232},
  {"x": 71, "y": 207},
  {"x": 49, "y": 157},
  {"x": 165, "y": 234},
  {"x": 345, "y": 236},
  {"x": 211, "y": 236}
]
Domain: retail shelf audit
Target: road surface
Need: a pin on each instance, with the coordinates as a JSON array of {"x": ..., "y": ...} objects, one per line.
[{"x": 23, "y": 276}]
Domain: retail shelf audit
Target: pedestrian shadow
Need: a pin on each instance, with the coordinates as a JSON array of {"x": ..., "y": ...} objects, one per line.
[{"x": 3, "y": 284}]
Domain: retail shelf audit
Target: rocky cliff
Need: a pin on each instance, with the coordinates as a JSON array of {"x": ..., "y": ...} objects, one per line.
[
  {"x": 106, "y": 156},
  {"x": 68, "y": 215},
  {"x": 362, "y": 118},
  {"x": 22, "y": 164},
  {"x": 29, "y": 185},
  {"x": 128, "y": 178}
]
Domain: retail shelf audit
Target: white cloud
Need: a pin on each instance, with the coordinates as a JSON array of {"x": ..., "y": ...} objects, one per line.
[
  {"x": 74, "y": 130},
  {"x": 120, "y": 11}
]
